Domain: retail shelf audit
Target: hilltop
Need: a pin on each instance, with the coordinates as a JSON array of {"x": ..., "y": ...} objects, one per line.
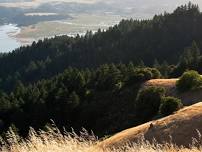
[{"x": 181, "y": 126}]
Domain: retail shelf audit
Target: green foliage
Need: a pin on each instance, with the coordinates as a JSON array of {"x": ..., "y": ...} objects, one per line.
[
  {"x": 139, "y": 41},
  {"x": 90, "y": 97},
  {"x": 148, "y": 102},
  {"x": 155, "y": 73},
  {"x": 143, "y": 74},
  {"x": 189, "y": 60},
  {"x": 190, "y": 80},
  {"x": 169, "y": 105},
  {"x": 70, "y": 80},
  {"x": 73, "y": 100}
]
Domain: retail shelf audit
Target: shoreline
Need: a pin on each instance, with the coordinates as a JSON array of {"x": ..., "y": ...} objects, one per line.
[{"x": 80, "y": 24}]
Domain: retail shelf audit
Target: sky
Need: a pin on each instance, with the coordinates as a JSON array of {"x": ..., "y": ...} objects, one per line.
[{"x": 34, "y": 3}]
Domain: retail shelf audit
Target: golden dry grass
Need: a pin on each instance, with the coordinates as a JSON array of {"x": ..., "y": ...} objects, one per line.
[
  {"x": 167, "y": 83},
  {"x": 183, "y": 127},
  {"x": 188, "y": 98},
  {"x": 54, "y": 141}
]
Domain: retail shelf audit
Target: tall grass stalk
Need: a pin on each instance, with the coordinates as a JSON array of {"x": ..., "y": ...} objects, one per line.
[{"x": 53, "y": 140}]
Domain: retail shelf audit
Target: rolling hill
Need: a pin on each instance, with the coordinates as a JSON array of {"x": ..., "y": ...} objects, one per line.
[
  {"x": 179, "y": 128},
  {"x": 72, "y": 81},
  {"x": 188, "y": 98}
]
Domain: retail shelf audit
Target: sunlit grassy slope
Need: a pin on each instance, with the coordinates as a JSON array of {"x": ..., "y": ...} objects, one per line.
[
  {"x": 54, "y": 141},
  {"x": 182, "y": 128},
  {"x": 188, "y": 98}
]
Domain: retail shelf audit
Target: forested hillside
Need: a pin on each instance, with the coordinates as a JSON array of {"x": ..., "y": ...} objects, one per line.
[
  {"x": 163, "y": 38},
  {"x": 92, "y": 81},
  {"x": 101, "y": 100}
]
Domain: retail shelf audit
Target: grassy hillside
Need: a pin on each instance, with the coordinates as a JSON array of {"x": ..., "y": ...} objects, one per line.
[
  {"x": 179, "y": 128},
  {"x": 188, "y": 97},
  {"x": 60, "y": 79}
]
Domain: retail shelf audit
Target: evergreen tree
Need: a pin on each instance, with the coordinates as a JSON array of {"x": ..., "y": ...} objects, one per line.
[
  {"x": 156, "y": 64},
  {"x": 164, "y": 69},
  {"x": 73, "y": 101},
  {"x": 196, "y": 54}
]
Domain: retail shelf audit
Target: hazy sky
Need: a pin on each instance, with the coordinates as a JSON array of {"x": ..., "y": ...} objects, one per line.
[
  {"x": 143, "y": 3},
  {"x": 34, "y": 3}
]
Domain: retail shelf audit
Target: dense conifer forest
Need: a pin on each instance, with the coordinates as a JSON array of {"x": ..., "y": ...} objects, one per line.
[{"x": 92, "y": 81}]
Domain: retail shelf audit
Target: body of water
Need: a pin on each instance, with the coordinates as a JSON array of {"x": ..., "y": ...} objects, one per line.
[{"x": 7, "y": 40}]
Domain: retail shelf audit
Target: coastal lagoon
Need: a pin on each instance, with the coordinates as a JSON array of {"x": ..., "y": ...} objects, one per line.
[
  {"x": 79, "y": 24},
  {"x": 12, "y": 37}
]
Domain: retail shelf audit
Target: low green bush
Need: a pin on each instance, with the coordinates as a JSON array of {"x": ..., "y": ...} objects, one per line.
[
  {"x": 190, "y": 80},
  {"x": 144, "y": 74},
  {"x": 148, "y": 102},
  {"x": 170, "y": 105}
]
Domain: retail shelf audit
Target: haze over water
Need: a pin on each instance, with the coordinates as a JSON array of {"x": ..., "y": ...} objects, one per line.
[{"x": 133, "y": 8}]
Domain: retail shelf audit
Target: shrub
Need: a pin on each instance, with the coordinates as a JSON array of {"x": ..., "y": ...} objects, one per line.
[
  {"x": 148, "y": 102},
  {"x": 190, "y": 80},
  {"x": 155, "y": 73},
  {"x": 169, "y": 105},
  {"x": 143, "y": 74}
]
